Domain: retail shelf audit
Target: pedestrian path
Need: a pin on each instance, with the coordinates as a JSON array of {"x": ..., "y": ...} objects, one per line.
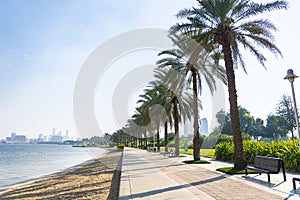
[{"x": 147, "y": 175}]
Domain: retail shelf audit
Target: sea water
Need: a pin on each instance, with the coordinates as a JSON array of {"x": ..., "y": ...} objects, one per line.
[{"x": 21, "y": 162}]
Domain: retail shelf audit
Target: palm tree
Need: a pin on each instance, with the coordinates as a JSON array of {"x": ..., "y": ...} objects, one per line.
[
  {"x": 141, "y": 121},
  {"x": 223, "y": 23},
  {"x": 194, "y": 62},
  {"x": 177, "y": 99},
  {"x": 154, "y": 99}
]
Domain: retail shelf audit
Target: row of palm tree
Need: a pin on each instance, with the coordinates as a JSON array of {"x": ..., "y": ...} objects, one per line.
[{"x": 211, "y": 32}]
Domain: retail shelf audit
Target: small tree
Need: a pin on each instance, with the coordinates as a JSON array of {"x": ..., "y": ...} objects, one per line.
[
  {"x": 275, "y": 127},
  {"x": 285, "y": 110}
]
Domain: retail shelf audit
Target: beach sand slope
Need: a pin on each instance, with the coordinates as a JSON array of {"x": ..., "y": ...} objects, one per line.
[{"x": 95, "y": 179}]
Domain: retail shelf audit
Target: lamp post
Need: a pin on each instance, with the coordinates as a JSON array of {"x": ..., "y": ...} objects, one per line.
[{"x": 291, "y": 77}]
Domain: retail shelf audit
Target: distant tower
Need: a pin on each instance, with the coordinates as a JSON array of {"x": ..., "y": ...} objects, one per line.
[
  {"x": 203, "y": 126},
  {"x": 67, "y": 134},
  {"x": 40, "y": 137},
  {"x": 53, "y": 131},
  {"x": 13, "y": 135},
  {"x": 186, "y": 129}
]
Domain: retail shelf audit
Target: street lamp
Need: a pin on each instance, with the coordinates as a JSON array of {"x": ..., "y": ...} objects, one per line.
[{"x": 291, "y": 77}]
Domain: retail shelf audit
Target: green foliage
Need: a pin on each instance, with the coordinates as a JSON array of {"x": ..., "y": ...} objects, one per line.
[
  {"x": 171, "y": 137},
  {"x": 246, "y": 136},
  {"x": 224, "y": 151},
  {"x": 249, "y": 124},
  {"x": 287, "y": 150},
  {"x": 120, "y": 146},
  {"x": 210, "y": 153},
  {"x": 286, "y": 111},
  {"x": 97, "y": 140},
  {"x": 275, "y": 126}
]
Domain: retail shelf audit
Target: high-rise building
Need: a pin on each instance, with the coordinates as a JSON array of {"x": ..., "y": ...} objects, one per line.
[
  {"x": 41, "y": 136},
  {"x": 13, "y": 135},
  {"x": 56, "y": 139},
  {"x": 53, "y": 131},
  {"x": 203, "y": 127},
  {"x": 16, "y": 139},
  {"x": 188, "y": 128}
]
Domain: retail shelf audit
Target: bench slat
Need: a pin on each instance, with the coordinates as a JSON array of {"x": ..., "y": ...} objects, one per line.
[{"x": 268, "y": 165}]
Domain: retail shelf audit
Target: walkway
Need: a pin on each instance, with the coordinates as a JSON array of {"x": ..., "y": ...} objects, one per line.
[{"x": 147, "y": 175}]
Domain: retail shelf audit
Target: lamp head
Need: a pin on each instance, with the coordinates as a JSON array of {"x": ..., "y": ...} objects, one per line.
[{"x": 290, "y": 75}]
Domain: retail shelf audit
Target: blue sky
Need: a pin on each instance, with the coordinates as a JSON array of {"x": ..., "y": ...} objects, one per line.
[{"x": 45, "y": 42}]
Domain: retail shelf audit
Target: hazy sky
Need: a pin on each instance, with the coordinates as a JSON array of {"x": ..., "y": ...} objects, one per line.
[{"x": 43, "y": 44}]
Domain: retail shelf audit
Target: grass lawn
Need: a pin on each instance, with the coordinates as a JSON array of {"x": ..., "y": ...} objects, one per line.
[
  {"x": 232, "y": 171},
  {"x": 203, "y": 152}
]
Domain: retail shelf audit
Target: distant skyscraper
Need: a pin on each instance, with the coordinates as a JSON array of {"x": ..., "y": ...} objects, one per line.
[
  {"x": 203, "y": 126},
  {"x": 53, "y": 131},
  {"x": 67, "y": 133},
  {"x": 188, "y": 128},
  {"x": 41, "y": 136},
  {"x": 56, "y": 139},
  {"x": 13, "y": 135}
]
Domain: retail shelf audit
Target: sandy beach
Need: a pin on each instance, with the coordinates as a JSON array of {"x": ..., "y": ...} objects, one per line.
[{"x": 94, "y": 179}]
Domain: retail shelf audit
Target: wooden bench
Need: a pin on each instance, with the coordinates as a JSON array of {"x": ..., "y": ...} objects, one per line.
[
  {"x": 294, "y": 182},
  {"x": 268, "y": 165}
]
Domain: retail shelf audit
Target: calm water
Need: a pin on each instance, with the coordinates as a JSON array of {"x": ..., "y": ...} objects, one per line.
[{"x": 20, "y": 162}]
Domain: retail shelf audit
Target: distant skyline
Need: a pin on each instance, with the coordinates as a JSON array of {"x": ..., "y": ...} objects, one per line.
[
  {"x": 64, "y": 133},
  {"x": 44, "y": 44}
]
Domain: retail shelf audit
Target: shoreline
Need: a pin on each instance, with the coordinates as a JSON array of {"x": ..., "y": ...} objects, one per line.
[
  {"x": 35, "y": 160},
  {"x": 50, "y": 174},
  {"x": 90, "y": 179}
]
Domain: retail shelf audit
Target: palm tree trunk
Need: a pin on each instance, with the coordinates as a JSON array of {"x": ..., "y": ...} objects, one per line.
[
  {"x": 158, "y": 140},
  {"x": 166, "y": 136},
  {"x": 239, "y": 156},
  {"x": 146, "y": 140},
  {"x": 176, "y": 126},
  {"x": 196, "y": 140},
  {"x": 140, "y": 140}
]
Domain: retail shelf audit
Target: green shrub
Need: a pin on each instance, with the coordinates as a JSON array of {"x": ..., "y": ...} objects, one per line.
[
  {"x": 287, "y": 150},
  {"x": 120, "y": 146},
  {"x": 291, "y": 155},
  {"x": 224, "y": 151}
]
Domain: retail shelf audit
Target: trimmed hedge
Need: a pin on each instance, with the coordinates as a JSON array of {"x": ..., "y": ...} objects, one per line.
[{"x": 287, "y": 150}]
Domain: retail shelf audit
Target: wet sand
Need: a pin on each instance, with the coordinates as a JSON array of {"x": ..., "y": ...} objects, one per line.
[{"x": 94, "y": 179}]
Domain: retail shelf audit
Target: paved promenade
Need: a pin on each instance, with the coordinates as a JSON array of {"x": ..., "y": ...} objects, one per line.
[{"x": 147, "y": 175}]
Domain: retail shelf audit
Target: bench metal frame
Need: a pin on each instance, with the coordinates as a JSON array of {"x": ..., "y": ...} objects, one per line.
[
  {"x": 263, "y": 164},
  {"x": 294, "y": 182}
]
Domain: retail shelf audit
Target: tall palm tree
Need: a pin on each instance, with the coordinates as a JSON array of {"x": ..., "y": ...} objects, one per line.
[
  {"x": 223, "y": 23},
  {"x": 196, "y": 64}
]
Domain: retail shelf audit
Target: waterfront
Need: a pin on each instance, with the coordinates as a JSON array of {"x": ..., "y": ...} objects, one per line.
[{"x": 21, "y": 162}]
